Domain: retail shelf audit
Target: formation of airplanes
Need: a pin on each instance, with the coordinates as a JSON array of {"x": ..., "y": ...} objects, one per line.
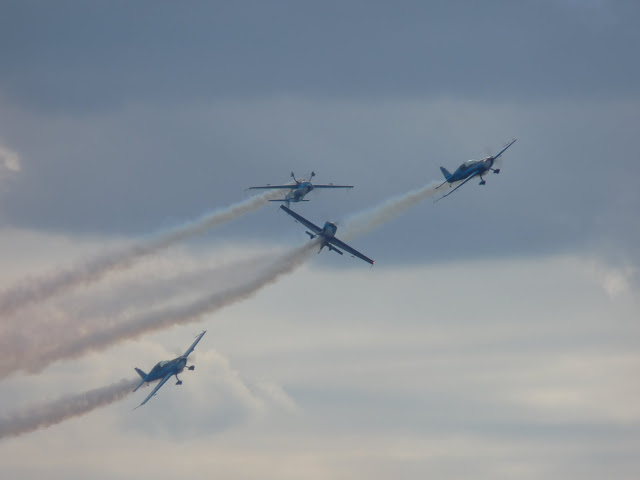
[{"x": 326, "y": 235}]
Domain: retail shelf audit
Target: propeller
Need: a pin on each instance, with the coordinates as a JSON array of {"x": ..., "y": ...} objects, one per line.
[{"x": 498, "y": 161}]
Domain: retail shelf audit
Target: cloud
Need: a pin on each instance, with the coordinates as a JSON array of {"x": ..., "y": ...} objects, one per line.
[
  {"x": 10, "y": 160},
  {"x": 617, "y": 281},
  {"x": 389, "y": 372}
]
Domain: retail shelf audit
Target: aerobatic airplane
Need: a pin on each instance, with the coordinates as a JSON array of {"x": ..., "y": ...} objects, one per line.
[
  {"x": 326, "y": 235},
  {"x": 164, "y": 370},
  {"x": 471, "y": 169},
  {"x": 298, "y": 189}
]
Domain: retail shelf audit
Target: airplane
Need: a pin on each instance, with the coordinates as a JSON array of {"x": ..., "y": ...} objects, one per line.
[
  {"x": 327, "y": 236},
  {"x": 298, "y": 189},
  {"x": 471, "y": 169},
  {"x": 165, "y": 369}
]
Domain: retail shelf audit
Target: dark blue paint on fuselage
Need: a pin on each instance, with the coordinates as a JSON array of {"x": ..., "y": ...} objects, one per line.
[
  {"x": 328, "y": 231},
  {"x": 298, "y": 193},
  {"x": 471, "y": 167},
  {"x": 162, "y": 369}
]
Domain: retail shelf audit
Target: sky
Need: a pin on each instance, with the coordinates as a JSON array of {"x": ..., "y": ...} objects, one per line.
[{"x": 496, "y": 334}]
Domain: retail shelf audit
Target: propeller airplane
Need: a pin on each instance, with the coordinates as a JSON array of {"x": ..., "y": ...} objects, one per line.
[
  {"x": 298, "y": 190},
  {"x": 165, "y": 369},
  {"x": 471, "y": 169},
  {"x": 327, "y": 236}
]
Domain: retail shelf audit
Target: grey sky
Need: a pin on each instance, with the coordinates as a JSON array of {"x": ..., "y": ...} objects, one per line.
[
  {"x": 496, "y": 334},
  {"x": 180, "y": 109},
  {"x": 150, "y": 50}
]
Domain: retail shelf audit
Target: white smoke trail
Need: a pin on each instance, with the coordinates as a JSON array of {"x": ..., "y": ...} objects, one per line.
[
  {"x": 37, "y": 289},
  {"x": 52, "y": 413},
  {"x": 53, "y": 325},
  {"x": 35, "y": 359},
  {"x": 367, "y": 220}
]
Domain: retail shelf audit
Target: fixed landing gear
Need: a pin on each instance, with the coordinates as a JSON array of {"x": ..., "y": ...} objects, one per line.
[
  {"x": 482, "y": 182},
  {"x": 192, "y": 367},
  {"x": 179, "y": 382}
]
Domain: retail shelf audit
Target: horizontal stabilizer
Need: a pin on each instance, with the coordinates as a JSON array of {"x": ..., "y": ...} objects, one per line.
[{"x": 446, "y": 173}]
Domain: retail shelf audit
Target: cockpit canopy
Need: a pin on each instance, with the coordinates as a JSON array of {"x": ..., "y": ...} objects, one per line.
[
  {"x": 162, "y": 363},
  {"x": 468, "y": 164}
]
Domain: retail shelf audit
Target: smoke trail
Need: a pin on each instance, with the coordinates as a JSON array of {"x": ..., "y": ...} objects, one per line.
[
  {"x": 51, "y": 326},
  {"x": 366, "y": 221},
  {"x": 52, "y": 413},
  {"x": 35, "y": 359},
  {"x": 37, "y": 289}
]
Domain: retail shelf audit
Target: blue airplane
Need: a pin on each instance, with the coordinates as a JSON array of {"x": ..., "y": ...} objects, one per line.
[
  {"x": 298, "y": 189},
  {"x": 164, "y": 370},
  {"x": 327, "y": 236},
  {"x": 471, "y": 169}
]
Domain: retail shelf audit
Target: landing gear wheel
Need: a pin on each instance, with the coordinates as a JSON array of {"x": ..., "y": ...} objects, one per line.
[{"x": 179, "y": 382}]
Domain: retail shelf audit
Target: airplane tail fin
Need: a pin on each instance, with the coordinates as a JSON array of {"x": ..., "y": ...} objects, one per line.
[
  {"x": 143, "y": 376},
  {"x": 446, "y": 173}
]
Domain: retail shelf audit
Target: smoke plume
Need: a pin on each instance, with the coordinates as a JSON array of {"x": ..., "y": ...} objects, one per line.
[
  {"x": 45, "y": 346},
  {"x": 98, "y": 338},
  {"x": 52, "y": 413},
  {"x": 367, "y": 220},
  {"x": 37, "y": 289}
]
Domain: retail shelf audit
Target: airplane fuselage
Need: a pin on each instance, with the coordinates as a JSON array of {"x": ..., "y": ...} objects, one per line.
[
  {"x": 328, "y": 231},
  {"x": 298, "y": 193},
  {"x": 165, "y": 367},
  {"x": 471, "y": 167},
  {"x": 325, "y": 235}
]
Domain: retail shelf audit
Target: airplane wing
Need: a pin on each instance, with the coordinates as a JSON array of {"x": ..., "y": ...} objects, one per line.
[
  {"x": 340, "y": 244},
  {"x": 331, "y": 186},
  {"x": 505, "y": 148},
  {"x": 302, "y": 220},
  {"x": 291, "y": 186},
  {"x": 193, "y": 345},
  {"x": 157, "y": 387},
  {"x": 457, "y": 187}
]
